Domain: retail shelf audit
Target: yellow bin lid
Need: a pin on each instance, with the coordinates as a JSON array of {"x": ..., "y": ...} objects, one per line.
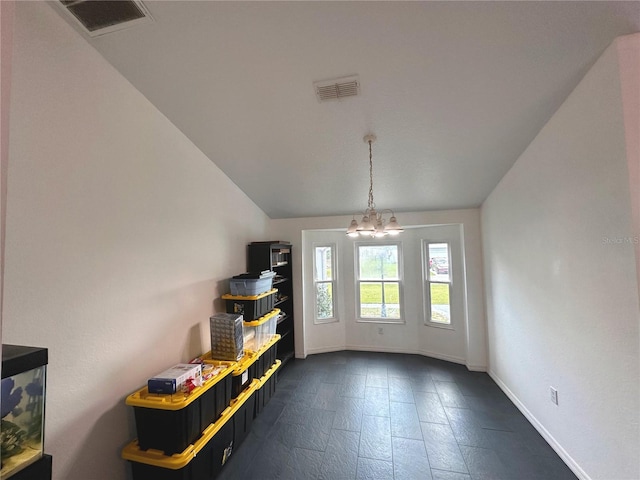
[
  {"x": 263, "y": 319},
  {"x": 276, "y": 338},
  {"x": 228, "y": 296},
  {"x": 239, "y": 367},
  {"x": 269, "y": 373},
  {"x": 178, "y": 400}
]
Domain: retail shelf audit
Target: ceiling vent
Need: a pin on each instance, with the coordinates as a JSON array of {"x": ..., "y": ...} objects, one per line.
[
  {"x": 97, "y": 17},
  {"x": 337, "y": 88}
]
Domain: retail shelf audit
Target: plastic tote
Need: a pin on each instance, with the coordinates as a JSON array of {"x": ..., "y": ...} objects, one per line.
[
  {"x": 203, "y": 459},
  {"x": 170, "y": 422}
]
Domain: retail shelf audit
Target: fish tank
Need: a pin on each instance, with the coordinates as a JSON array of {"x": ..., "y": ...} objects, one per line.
[{"x": 24, "y": 373}]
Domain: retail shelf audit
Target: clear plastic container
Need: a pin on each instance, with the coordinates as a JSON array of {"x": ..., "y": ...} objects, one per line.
[{"x": 259, "y": 332}]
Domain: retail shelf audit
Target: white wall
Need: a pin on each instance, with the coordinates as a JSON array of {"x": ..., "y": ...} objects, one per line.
[
  {"x": 6, "y": 49},
  {"x": 466, "y": 345},
  {"x": 114, "y": 252},
  {"x": 562, "y": 294}
]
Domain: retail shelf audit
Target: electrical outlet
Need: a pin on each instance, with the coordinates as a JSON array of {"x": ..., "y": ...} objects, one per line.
[
  {"x": 380, "y": 331},
  {"x": 554, "y": 395}
]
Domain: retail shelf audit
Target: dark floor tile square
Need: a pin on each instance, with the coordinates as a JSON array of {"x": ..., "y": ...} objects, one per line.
[
  {"x": 375, "y": 438},
  {"x": 483, "y": 461},
  {"x": 444, "y": 475},
  {"x": 304, "y": 464},
  {"x": 327, "y": 398},
  {"x": 340, "y": 460},
  {"x": 349, "y": 414},
  {"x": 450, "y": 395},
  {"x": 410, "y": 461},
  {"x": 464, "y": 428},
  {"x": 370, "y": 469},
  {"x": 376, "y": 401},
  {"x": 423, "y": 383},
  {"x": 400, "y": 390},
  {"x": 446, "y": 456},
  {"x": 435, "y": 434},
  {"x": 271, "y": 462},
  {"x": 404, "y": 421},
  {"x": 430, "y": 408},
  {"x": 353, "y": 386},
  {"x": 379, "y": 381}
]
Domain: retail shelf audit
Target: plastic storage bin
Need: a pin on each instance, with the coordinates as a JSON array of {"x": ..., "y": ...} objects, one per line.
[
  {"x": 24, "y": 372},
  {"x": 227, "y": 342},
  {"x": 243, "y": 371},
  {"x": 251, "y": 284},
  {"x": 203, "y": 459},
  {"x": 170, "y": 422},
  {"x": 267, "y": 356},
  {"x": 251, "y": 307},
  {"x": 267, "y": 387},
  {"x": 260, "y": 332}
]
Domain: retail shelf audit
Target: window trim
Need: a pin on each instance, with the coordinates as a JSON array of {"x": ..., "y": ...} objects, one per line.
[
  {"x": 334, "y": 281},
  {"x": 396, "y": 321},
  {"x": 426, "y": 285}
]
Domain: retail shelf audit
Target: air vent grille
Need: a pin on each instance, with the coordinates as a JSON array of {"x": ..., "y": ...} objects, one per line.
[
  {"x": 337, "y": 88},
  {"x": 97, "y": 17}
]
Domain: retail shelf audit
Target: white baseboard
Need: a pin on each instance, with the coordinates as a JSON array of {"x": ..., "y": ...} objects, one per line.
[
  {"x": 476, "y": 368},
  {"x": 311, "y": 351},
  {"x": 571, "y": 463},
  {"x": 368, "y": 348}
]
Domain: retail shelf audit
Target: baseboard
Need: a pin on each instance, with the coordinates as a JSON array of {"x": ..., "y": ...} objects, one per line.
[
  {"x": 568, "y": 459},
  {"x": 367, "y": 348},
  {"x": 476, "y": 368},
  {"x": 424, "y": 353},
  {"x": 311, "y": 351}
]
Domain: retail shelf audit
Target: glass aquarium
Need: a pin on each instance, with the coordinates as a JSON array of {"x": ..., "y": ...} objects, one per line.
[{"x": 23, "y": 400}]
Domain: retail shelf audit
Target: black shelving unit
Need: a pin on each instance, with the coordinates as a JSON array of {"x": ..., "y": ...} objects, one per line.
[{"x": 276, "y": 256}]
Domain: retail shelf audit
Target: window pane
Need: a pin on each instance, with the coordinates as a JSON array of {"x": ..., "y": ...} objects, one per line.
[
  {"x": 324, "y": 300},
  {"x": 323, "y": 267},
  {"x": 379, "y": 300},
  {"x": 439, "y": 262},
  {"x": 440, "y": 303},
  {"x": 378, "y": 262}
]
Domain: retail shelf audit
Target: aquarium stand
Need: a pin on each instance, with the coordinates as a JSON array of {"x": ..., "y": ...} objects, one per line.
[{"x": 41, "y": 470}]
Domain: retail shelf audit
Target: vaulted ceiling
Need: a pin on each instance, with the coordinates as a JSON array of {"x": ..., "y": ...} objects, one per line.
[{"x": 454, "y": 91}]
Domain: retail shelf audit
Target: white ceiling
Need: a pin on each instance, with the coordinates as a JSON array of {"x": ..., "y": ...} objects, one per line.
[{"x": 454, "y": 91}]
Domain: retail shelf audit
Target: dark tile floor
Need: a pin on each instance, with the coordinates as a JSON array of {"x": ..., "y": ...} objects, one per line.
[{"x": 362, "y": 415}]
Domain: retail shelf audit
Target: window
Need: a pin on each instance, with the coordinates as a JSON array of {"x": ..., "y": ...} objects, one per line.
[
  {"x": 379, "y": 277},
  {"x": 324, "y": 279},
  {"x": 437, "y": 283}
]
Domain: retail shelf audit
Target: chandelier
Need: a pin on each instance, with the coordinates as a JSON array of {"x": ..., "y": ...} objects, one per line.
[{"x": 373, "y": 223}]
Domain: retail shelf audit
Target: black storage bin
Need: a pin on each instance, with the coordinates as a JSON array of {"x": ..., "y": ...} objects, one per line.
[
  {"x": 170, "y": 423},
  {"x": 251, "y": 307},
  {"x": 243, "y": 419},
  {"x": 203, "y": 460},
  {"x": 244, "y": 373},
  {"x": 267, "y": 356},
  {"x": 267, "y": 387}
]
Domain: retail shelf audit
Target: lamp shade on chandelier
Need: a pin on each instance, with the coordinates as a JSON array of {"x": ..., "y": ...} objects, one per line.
[{"x": 373, "y": 223}]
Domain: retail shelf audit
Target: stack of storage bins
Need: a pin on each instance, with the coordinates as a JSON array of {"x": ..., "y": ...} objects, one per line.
[
  {"x": 252, "y": 295},
  {"x": 191, "y": 436}
]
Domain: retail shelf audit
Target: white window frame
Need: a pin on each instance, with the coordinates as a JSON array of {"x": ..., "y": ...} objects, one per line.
[
  {"x": 426, "y": 285},
  {"x": 400, "y": 282},
  {"x": 334, "y": 284}
]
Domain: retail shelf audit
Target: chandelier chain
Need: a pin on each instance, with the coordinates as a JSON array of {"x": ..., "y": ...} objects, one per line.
[{"x": 372, "y": 205}]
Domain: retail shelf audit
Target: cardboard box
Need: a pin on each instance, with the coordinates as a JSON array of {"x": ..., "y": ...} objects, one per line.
[{"x": 174, "y": 379}]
